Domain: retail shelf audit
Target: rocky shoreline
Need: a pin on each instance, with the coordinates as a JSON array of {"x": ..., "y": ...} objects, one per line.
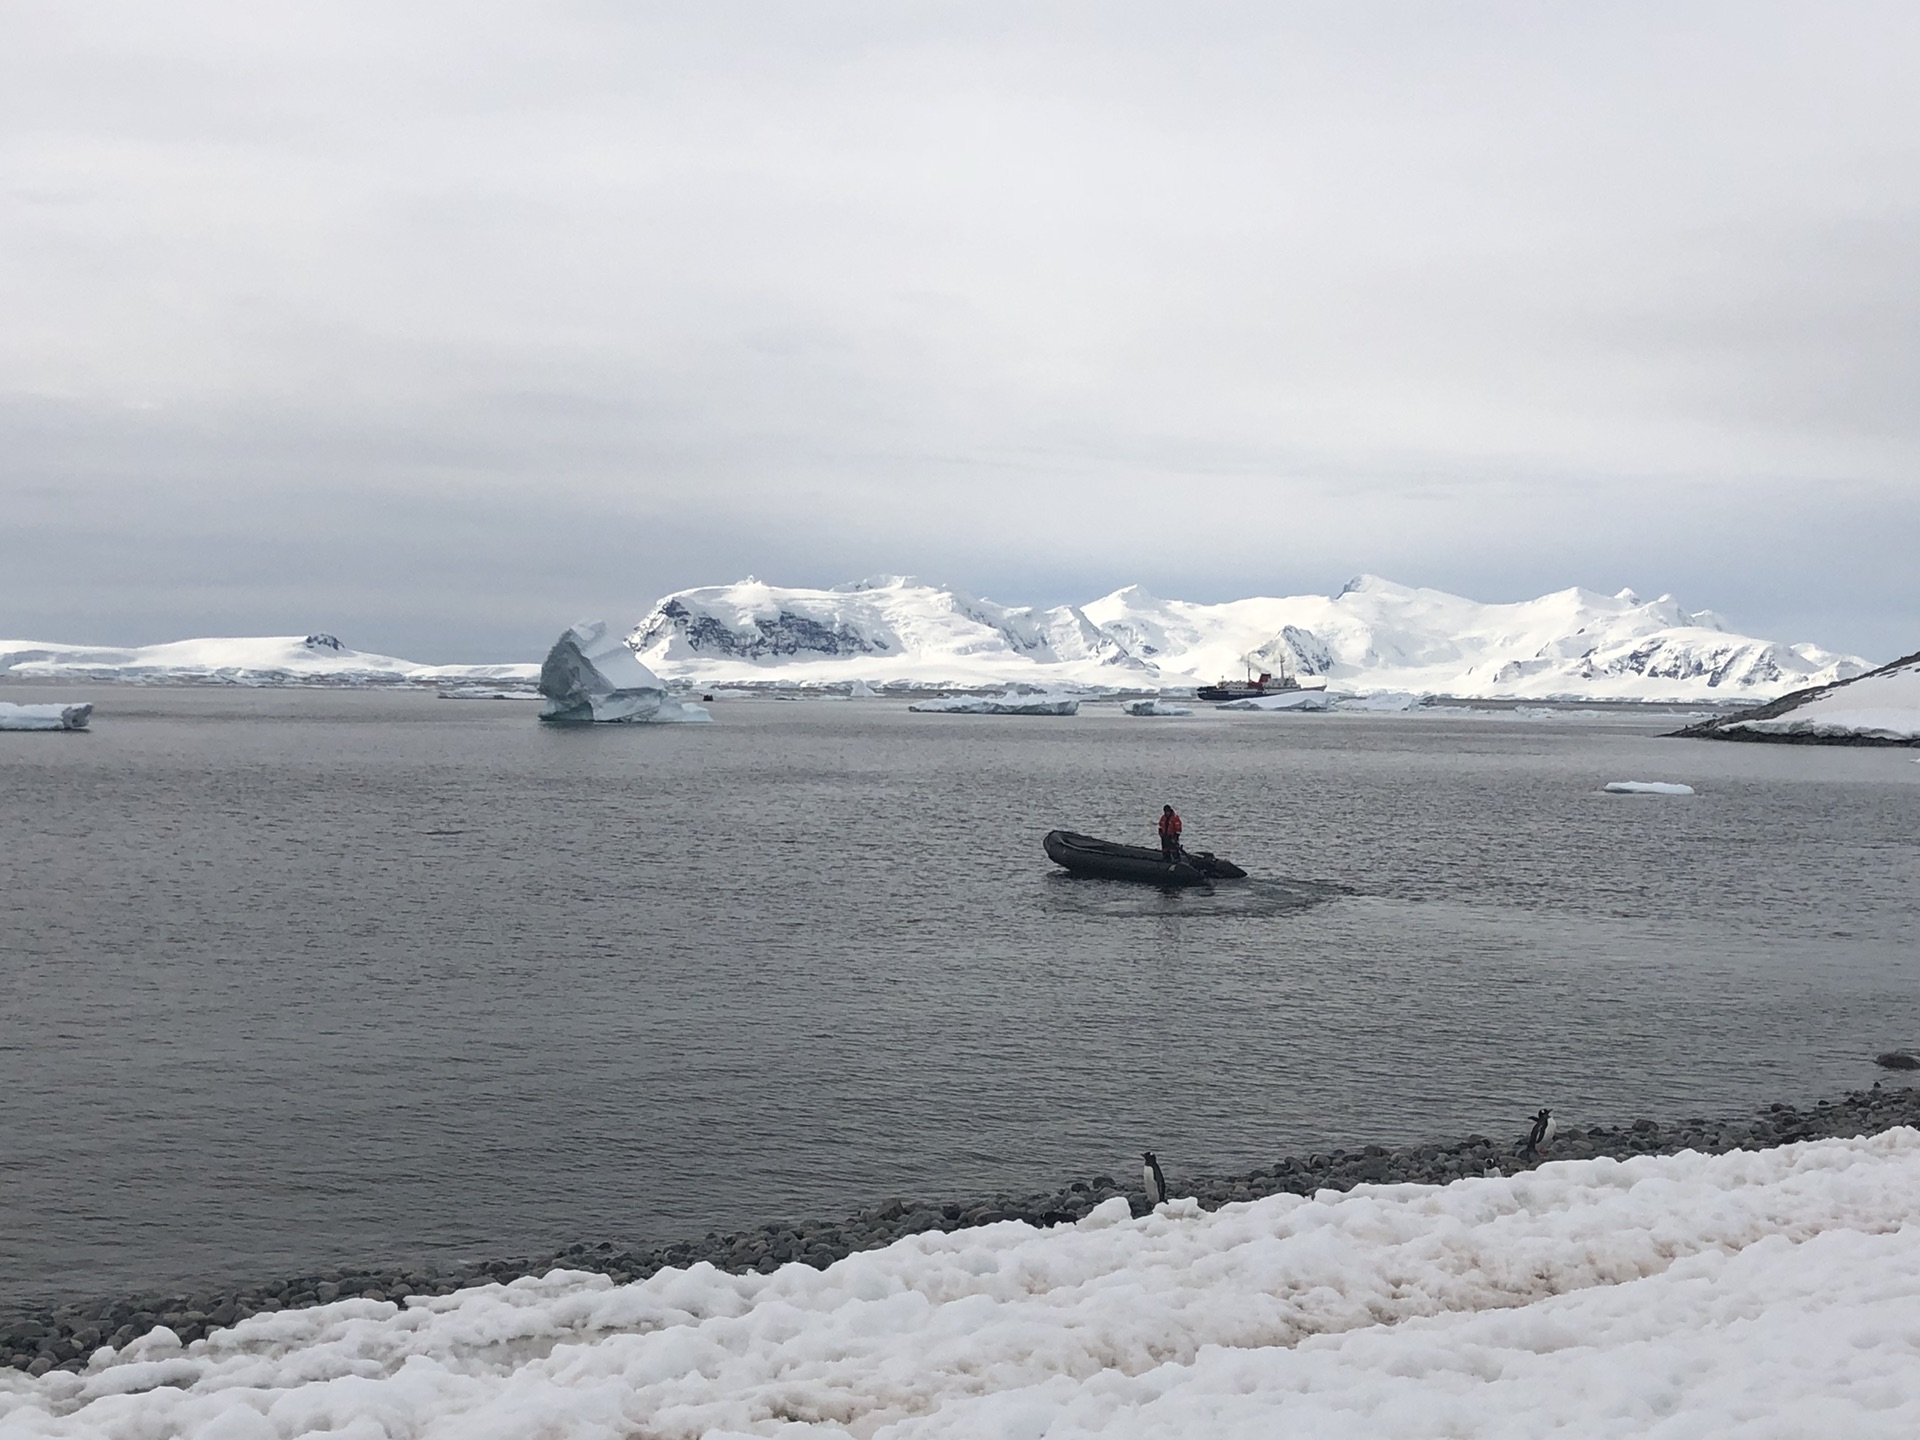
[{"x": 66, "y": 1336}]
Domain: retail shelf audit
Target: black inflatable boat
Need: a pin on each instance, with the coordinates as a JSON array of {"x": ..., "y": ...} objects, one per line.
[{"x": 1084, "y": 855}]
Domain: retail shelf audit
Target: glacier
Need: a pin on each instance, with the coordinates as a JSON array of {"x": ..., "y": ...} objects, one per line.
[
  {"x": 1374, "y": 636},
  {"x": 316, "y": 659},
  {"x": 1881, "y": 707},
  {"x": 58, "y": 715},
  {"x": 1757, "y": 1292},
  {"x": 591, "y": 675}
]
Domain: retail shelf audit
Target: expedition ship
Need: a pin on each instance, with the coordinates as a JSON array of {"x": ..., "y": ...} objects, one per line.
[{"x": 1248, "y": 688}]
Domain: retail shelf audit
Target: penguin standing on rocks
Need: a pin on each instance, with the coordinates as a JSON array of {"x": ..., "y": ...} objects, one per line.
[
  {"x": 1151, "y": 1179},
  {"x": 1540, "y": 1134}
]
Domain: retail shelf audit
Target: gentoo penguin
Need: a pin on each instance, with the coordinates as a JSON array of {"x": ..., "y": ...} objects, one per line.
[
  {"x": 1542, "y": 1132},
  {"x": 1152, "y": 1179}
]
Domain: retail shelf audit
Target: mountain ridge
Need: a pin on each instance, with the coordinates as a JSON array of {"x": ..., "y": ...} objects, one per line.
[{"x": 1373, "y": 635}]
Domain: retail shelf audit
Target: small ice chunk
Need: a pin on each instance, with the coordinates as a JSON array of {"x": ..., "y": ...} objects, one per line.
[
  {"x": 590, "y": 675},
  {"x": 1154, "y": 707},
  {"x": 1286, "y": 700},
  {"x": 1645, "y": 787},
  {"x": 1008, "y": 704},
  {"x": 60, "y": 715}
]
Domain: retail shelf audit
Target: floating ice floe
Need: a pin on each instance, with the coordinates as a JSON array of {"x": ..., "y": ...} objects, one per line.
[
  {"x": 1289, "y": 700},
  {"x": 1700, "y": 1295},
  {"x": 1154, "y": 707},
  {"x": 57, "y": 716},
  {"x": 1645, "y": 787},
  {"x": 1385, "y": 702},
  {"x": 1009, "y": 704},
  {"x": 488, "y": 692},
  {"x": 591, "y": 675}
]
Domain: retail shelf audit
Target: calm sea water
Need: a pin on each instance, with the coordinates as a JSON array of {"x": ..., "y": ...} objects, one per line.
[{"x": 307, "y": 977}]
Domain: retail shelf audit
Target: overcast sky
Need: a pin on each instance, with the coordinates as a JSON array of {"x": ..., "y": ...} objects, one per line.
[{"x": 442, "y": 325}]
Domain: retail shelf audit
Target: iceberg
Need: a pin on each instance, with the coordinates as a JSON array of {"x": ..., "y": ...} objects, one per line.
[
  {"x": 1154, "y": 707},
  {"x": 1645, "y": 787},
  {"x": 590, "y": 675},
  {"x": 1386, "y": 702},
  {"x": 57, "y": 716},
  {"x": 1287, "y": 700},
  {"x": 1008, "y": 704}
]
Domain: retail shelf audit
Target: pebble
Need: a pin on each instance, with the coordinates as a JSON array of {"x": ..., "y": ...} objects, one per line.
[{"x": 65, "y": 1337}]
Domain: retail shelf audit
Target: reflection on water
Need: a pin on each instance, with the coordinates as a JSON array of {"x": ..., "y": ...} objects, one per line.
[{"x": 1251, "y": 898}]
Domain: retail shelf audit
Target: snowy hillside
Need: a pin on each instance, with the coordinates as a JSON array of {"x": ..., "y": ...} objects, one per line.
[
  {"x": 1880, "y": 707},
  {"x": 888, "y": 628},
  {"x": 1753, "y": 1293},
  {"x": 250, "y": 660},
  {"x": 1373, "y": 636}
]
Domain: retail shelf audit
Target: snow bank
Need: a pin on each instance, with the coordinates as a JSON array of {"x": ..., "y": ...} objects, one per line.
[
  {"x": 1645, "y": 787},
  {"x": 1772, "y": 1291},
  {"x": 1154, "y": 707},
  {"x": 1291, "y": 700},
  {"x": 57, "y": 716},
  {"x": 591, "y": 675},
  {"x": 1009, "y": 704}
]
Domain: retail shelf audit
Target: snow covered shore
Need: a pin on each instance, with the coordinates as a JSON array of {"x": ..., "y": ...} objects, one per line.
[
  {"x": 1693, "y": 1294},
  {"x": 1701, "y": 1291},
  {"x": 1881, "y": 707}
]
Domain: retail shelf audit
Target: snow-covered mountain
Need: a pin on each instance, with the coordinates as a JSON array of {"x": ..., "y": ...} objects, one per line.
[
  {"x": 1373, "y": 636},
  {"x": 887, "y": 628},
  {"x": 243, "y": 660}
]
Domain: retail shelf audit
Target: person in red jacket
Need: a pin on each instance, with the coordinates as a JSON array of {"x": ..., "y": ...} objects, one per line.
[{"x": 1169, "y": 834}]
